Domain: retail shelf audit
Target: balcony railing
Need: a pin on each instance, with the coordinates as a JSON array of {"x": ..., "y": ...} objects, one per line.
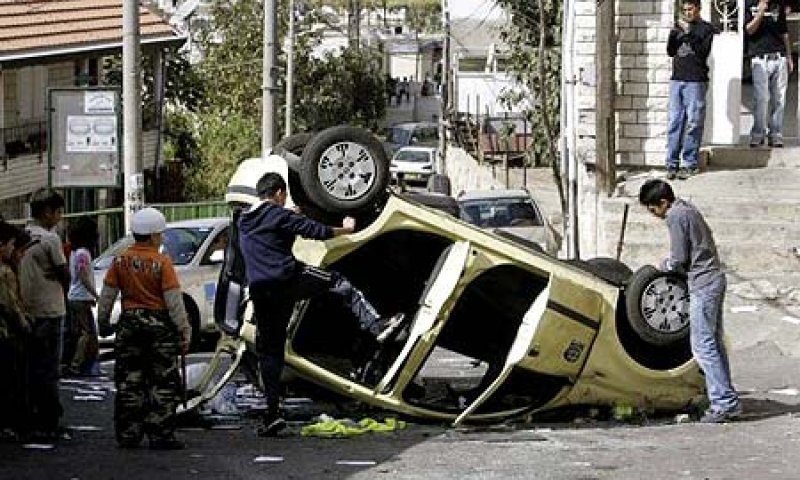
[{"x": 24, "y": 139}]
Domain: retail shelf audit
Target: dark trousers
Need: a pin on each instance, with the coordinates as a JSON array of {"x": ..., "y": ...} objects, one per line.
[
  {"x": 273, "y": 303},
  {"x": 146, "y": 376},
  {"x": 44, "y": 352},
  {"x": 13, "y": 378}
]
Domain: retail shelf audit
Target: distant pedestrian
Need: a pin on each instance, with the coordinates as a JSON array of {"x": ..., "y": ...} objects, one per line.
[
  {"x": 152, "y": 331},
  {"x": 14, "y": 330},
  {"x": 43, "y": 279},
  {"x": 689, "y": 45},
  {"x": 770, "y": 52},
  {"x": 82, "y": 296},
  {"x": 693, "y": 251},
  {"x": 277, "y": 280},
  {"x": 405, "y": 87},
  {"x": 399, "y": 90}
]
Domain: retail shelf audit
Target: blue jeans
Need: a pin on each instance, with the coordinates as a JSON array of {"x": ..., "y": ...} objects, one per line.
[
  {"x": 687, "y": 116},
  {"x": 770, "y": 78},
  {"x": 708, "y": 343}
]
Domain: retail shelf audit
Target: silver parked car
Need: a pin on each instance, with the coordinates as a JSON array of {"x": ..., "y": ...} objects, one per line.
[{"x": 510, "y": 212}]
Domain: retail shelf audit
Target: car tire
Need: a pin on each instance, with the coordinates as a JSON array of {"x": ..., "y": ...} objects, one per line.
[
  {"x": 438, "y": 183},
  {"x": 294, "y": 144},
  {"x": 657, "y": 304},
  {"x": 610, "y": 269},
  {"x": 344, "y": 170}
]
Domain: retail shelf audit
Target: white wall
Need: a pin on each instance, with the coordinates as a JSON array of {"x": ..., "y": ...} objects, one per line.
[{"x": 477, "y": 92}]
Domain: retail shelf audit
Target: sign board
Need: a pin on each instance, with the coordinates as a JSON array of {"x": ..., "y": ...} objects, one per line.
[{"x": 84, "y": 132}]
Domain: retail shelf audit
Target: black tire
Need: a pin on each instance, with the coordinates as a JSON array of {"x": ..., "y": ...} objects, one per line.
[
  {"x": 438, "y": 183},
  {"x": 657, "y": 304},
  {"x": 610, "y": 269},
  {"x": 344, "y": 170},
  {"x": 295, "y": 144}
]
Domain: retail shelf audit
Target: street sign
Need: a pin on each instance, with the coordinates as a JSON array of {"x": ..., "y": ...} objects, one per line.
[{"x": 84, "y": 132}]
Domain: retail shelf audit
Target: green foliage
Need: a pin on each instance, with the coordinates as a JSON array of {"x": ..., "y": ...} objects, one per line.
[{"x": 224, "y": 142}]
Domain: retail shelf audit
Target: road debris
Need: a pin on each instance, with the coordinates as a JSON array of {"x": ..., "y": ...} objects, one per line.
[
  {"x": 357, "y": 463},
  {"x": 329, "y": 427},
  {"x": 267, "y": 459}
]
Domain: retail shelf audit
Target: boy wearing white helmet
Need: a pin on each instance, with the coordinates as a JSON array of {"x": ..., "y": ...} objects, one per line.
[{"x": 153, "y": 329}]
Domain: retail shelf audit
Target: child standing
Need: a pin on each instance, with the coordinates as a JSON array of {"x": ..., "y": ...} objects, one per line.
[
  {"x": 82, "y": 296},
  {"x": 152, "y": 331},
  {"x": 14, "y": 327},
  {"x": 43, "y": 279},
  {"x": 693, "y": 251}
]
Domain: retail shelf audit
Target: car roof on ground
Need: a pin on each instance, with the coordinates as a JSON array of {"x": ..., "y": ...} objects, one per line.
[
  {"x": 493, "y": 194},
  {"x": 210, "y": 222},
  {"x": 413, "y": 124}
]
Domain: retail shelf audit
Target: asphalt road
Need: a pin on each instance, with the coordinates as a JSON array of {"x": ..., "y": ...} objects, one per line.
[{"x": 763, "y": 445}]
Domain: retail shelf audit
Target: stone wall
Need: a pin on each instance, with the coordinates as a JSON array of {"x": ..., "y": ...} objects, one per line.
[{"x": 642, "y": 77}]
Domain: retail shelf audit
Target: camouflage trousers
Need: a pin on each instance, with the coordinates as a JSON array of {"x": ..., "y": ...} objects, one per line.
[{"x": 147, "y": 376}]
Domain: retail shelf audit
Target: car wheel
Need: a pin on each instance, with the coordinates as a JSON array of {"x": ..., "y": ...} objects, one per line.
[
  {"x": 344, "y": 170},
  {"x": 657, "y": 304},
  {"x": 294, "y": 144},
  {"x": 439, "y": 183}
]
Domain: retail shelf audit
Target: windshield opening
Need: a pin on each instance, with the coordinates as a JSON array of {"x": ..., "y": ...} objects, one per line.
[
  {"x": 501, "y": 212},
  {"x": 180, "y": 244}
]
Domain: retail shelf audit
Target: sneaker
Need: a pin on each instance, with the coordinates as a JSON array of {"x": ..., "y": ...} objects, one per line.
[
  {"x": 775, "y": 142},
  {"x": 717, "y": 416},
  {"x": 271, "y": 425},
  {"x": 685, "y": 173},
  {"x": 671, "y": 174},
  {"x": 756, "y": 142},
  {"x": 166, "y": 443},
  {"x": 387, "y": 327}
]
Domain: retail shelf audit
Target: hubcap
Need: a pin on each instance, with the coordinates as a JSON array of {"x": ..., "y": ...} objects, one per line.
[
  {"x": 347, "y": 170},
  {"x": 665, "y": 305}
]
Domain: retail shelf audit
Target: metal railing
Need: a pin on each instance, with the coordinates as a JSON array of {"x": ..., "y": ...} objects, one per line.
[{"x": 110, "y": 220}]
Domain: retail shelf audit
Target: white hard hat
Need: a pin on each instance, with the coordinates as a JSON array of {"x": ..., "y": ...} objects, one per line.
[{"x": 147, "y": 221}]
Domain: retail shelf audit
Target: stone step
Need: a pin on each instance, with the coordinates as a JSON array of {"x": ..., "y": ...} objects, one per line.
[
  {"x": 751, "y": 257},
  {"x": 724, "y": 230},
  {"x": 742, "y": 157},
  {"x": 726, "y": 208}
]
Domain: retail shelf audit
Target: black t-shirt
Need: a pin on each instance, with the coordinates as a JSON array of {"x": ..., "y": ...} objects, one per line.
[
  {"x": 769, "y": 36},
  {"x": 690, "y": 50}
]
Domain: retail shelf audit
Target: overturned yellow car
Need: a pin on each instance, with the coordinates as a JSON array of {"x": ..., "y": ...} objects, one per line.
[{"x": 498, "y": 330}]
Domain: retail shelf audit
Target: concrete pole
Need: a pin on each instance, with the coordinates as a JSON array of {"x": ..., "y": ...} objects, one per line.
[
  {"x": 269, "y": 88},
  {"x": 131, "y": 104},
  {"x": 444, "y": 118},
  {"x": 290, "y": 71}
]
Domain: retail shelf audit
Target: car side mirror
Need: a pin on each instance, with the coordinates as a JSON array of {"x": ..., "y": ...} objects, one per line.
[{"x": 217, "y": 256}]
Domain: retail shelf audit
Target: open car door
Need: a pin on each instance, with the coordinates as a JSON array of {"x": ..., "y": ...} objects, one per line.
[
  {"x": 552, "y": 339},
  {"x": 442, "y": 282}
]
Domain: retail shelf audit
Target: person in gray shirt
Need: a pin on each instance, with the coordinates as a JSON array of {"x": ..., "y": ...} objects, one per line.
[{"x": 693, "y": 252}]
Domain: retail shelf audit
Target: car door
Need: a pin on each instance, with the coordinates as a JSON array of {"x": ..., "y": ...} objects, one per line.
[
  {"x": 554, "y": 338},
  {"x": 209, "y": 269},
  {"x": 443, "y": 280}
]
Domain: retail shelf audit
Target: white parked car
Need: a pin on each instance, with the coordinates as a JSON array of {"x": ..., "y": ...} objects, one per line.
[
  {"x": 197, "y": 249},
  {"x": 415, "y": 164},
  {"x": 510, "y": 212}
]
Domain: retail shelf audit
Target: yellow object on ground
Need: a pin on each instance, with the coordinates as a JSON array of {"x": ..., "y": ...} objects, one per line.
[{"x": 332, "y": 428}]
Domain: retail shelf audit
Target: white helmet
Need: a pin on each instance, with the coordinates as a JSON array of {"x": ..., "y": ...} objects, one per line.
[{"x": 148, "y": 221}]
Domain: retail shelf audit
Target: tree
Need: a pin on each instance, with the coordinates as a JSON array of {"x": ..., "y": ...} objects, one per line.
[
  {"x": 535, "y": 39},
  {"x": 330, "y": 89}
]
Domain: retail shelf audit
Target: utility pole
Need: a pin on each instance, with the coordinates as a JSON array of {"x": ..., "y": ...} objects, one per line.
[
  {"x": 270, "y": 87},
  {"x": 444, "y": 118},
  {"x": 606, "y": 158},
  {"x": 290, "y": 71},
  {"x": 133, "y": 187},
  {"x": 354, "y": 25}
]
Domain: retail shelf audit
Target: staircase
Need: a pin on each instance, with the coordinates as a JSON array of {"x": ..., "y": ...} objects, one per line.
[{"x": 753, "y": 214}]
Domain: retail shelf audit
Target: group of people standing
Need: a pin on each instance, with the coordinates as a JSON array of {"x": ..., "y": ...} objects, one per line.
[
  {"x": 768, "y": 47},
  {"x": 38, "y": 284}
]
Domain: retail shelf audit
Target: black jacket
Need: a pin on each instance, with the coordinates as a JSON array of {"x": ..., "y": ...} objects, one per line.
[
  {"x": 690, "y": 50},
  {"x": 267, "y": 234}
]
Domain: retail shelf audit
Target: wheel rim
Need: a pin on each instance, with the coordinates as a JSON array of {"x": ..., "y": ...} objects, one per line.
[
  {"x": 346, "y": 170},
  {"x": 665, "y": 305}
]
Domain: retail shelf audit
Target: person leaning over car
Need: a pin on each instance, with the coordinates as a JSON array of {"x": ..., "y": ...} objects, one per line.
[
  {"x": 277, "y": 280},
  {"x": 152, "y": 330},
  {"x": 693, "y": 251}
]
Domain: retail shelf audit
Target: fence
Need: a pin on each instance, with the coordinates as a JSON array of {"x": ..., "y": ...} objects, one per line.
[{"x": 110, "y": 220}]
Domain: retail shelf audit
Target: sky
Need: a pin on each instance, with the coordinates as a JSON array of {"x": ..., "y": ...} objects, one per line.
[{"x": 473, "y": 8}]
